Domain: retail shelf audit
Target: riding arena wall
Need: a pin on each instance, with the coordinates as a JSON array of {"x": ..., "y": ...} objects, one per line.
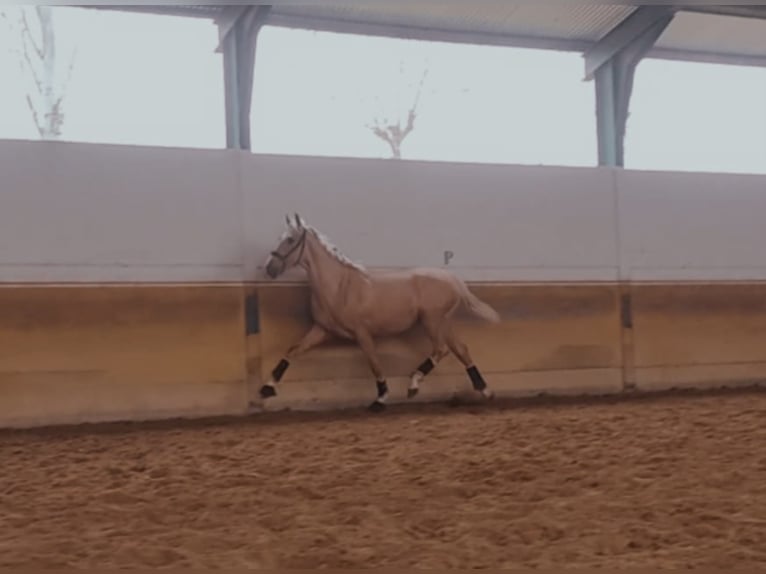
[{"x": 131, "y": 284}]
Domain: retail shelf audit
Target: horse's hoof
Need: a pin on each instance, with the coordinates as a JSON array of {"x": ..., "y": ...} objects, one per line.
[
  {"x": 268, "y": 391},
  {"x": 489, "y": 395},
  {"x": 412, "y": 392},
  {"x": 377, "y": 407}
]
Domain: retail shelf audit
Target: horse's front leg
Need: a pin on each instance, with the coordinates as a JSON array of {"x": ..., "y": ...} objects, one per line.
[
  {"x": 314, "y": 337},
  {"x": 367, "y": 344}
]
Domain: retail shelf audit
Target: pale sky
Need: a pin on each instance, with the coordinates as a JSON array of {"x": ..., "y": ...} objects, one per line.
[{"x": 150, "y": 80}]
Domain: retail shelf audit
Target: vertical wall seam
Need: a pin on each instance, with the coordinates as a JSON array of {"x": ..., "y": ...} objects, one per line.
[
  {"x": 238, "y": 157},
  {"x": 625, "y": 294}
]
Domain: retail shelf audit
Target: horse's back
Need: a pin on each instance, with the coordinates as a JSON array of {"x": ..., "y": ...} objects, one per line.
[
  {"x": 427, "y": 287},
  {"x": 415, "y": 274},
  {"x": 390, "y": 302}
]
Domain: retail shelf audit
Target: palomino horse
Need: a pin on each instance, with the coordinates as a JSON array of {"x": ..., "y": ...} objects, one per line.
[{"x": 351, "y": 303}]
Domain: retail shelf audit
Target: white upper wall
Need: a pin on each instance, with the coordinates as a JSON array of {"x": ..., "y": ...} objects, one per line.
[
  {"x": 81, "y": 212},
  {"x": 94, "y": 213},
  {"x": 500, "y": 222},
  {"x": 692, "y": 226}
]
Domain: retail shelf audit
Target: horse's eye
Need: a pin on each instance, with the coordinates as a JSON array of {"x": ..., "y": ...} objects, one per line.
[{"x": 290, "y": 240}]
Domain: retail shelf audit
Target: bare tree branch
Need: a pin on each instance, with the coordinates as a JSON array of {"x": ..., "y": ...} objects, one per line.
[
  {"x": 45, "y": 94},
  {"x": 416, "y": 103},
  {"x": 392, "y": 133},
  {"x": 385, "y": 133},
  {"x": 43, "y": 17},
  {"x": 70, "y": 71},
  {"x": 26, "y": 32},
  {"x": 410, "y": 124},
  {"x": 31, "y": 68},
  {"x": 35, "y": 117}
]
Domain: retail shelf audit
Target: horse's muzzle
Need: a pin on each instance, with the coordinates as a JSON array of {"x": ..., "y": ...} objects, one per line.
[{"x": 273, "y": 268}]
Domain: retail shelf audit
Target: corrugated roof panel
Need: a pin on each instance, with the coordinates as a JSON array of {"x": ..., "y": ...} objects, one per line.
[
  {"x": 715, "y": 34},
  {"x": 190, "y": 10},
  {"x": 561, "y": 21},
  {"x": 572, "y": 26}
]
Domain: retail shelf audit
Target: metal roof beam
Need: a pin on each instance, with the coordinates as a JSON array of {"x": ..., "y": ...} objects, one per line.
[
  {"x": 226, "y": 20},
  {"x": 642, "y": 21},
  {"x": 613, "y": 62},
  {"x": 238, "y": 30}
]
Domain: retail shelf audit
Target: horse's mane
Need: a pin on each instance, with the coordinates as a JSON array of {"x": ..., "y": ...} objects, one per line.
[{"x": 333, "y": 251}]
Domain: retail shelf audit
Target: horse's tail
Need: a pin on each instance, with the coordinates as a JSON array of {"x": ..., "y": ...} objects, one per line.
[{"x": 477, "y": 306}]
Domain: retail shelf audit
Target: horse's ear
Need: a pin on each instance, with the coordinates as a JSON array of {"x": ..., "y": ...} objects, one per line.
[
  {"x": 298, "y": 221},
  {"x": 289, "y": 223}
]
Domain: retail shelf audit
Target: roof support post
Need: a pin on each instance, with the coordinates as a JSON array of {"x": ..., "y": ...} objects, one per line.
[
  {"x": 238, "y": 28},
  {"x": 613, "y": 61}
]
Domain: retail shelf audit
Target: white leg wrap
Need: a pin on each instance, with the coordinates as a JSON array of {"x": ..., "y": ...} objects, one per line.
[{"x": 382, "y": 398}]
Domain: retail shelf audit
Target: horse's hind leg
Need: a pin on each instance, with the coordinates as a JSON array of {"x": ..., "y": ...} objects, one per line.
[
  {"x": 437, "y": 333},
  {"x": 424, "y": 368},
  {"x": 461, "y": 352}
]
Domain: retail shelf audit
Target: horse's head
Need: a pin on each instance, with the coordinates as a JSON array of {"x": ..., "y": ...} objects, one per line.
[{"x": 290, "y": 250}]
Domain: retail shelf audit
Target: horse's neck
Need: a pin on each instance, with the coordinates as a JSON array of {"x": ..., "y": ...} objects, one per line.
[{"x": 327, "y": 275}]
